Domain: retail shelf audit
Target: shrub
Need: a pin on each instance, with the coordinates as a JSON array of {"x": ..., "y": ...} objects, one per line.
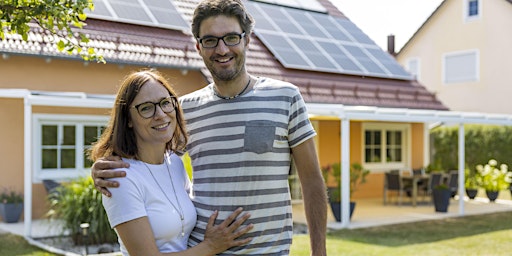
[
  {"x": 482, "y": 142},
  {"x": 79, "y": 202}
]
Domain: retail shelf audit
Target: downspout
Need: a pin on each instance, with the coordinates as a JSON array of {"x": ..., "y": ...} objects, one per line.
[{"x": 27, "y": 165}]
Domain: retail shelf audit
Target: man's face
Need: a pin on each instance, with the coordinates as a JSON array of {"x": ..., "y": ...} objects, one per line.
[{"x": 224, "y": 62}]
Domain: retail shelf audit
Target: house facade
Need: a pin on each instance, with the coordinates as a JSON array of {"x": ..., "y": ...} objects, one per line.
[
  {"x": 462, "y": 54},
  {"x": 364, "y": 106}
]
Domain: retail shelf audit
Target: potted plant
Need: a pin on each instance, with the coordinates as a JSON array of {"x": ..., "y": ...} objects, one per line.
[
  {"x": 332, "y": 176},
  {"x": 494, "y": 179},
  {"x": 11, "y": 205},
  {"x": 441, "y": 195},
  {"x": 471, "y": 184}
]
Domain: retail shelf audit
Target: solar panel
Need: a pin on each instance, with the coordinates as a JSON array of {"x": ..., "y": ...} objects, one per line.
[
  {"x": 315, "y": 41},
  {"x": 156, "y": 13},
  {"x": 312, "y": 5}
]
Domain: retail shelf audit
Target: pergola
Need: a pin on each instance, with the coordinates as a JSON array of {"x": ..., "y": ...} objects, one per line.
[
  {"x": 344, "y": 113},
  {"x": 428, "y": 117}
]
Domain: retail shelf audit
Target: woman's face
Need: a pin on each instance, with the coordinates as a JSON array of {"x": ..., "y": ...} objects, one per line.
[{"x": 158, "y": 129}]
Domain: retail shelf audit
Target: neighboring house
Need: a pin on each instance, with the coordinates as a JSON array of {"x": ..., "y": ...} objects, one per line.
[
  {"x": 463, "y": 54},
  {"x": 365, "y": 107}
]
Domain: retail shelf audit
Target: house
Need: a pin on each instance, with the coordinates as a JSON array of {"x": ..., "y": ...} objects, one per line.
[
  {"x": 365, "y": 107},
  {"x": 462, "y": 54}
]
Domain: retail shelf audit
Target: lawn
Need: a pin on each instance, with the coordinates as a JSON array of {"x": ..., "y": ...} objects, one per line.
[
  {"x": 489, "y": 234},
  {"x": 12, "y": 245}
]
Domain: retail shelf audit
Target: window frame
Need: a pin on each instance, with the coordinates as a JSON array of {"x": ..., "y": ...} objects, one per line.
[
  {"x": 79, "y": 122},
  {"x": 466, "y": 10},
  {"x": 382, "y": 166}
]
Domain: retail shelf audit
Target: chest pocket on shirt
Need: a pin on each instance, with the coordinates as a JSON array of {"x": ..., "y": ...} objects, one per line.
[{"x": 259, "y": 137}]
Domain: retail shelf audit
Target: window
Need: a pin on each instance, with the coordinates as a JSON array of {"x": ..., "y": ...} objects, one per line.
[
  {"x": 461, "y": 67},
  {"x": 385, "y": 145},
  {"x": 61, "y": 143},
  {"x": 472, "y": 10}
]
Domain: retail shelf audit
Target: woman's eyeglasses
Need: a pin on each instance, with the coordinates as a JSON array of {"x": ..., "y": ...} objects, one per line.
[{"x": 148, "y": 109}]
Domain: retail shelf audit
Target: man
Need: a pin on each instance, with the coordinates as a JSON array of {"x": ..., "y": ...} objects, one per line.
[{"x": 244, "y": 131}]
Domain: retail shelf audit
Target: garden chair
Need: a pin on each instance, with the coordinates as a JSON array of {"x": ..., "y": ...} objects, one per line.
[
  {"x": 393, "y": 182},
  {"x": 453, "y": 182}
]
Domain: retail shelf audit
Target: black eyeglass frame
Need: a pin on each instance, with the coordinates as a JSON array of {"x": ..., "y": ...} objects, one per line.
[
  {"x": 171, "y": 99},
  {"x": 240, "y": 36}
]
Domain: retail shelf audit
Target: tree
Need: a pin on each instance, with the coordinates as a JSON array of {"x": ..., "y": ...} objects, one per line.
[{"x": 56, "y": 17}]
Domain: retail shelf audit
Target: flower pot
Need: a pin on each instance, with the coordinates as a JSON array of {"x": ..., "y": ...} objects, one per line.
[
  {"x": 441, "y": 198},
  {"x": 11, "y": 212},
  {"x": 336, "y": 210},
  {"x": 492, "y": 195},
  {"x": 471, "y": 192}
]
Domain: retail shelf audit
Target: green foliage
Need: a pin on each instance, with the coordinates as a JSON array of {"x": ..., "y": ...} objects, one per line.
[
  {"x": 53, "y": 16},
  {"x": 10, "y": 196},
  {"x": 441, "y": 186},
  {"x": 187, "y": 162},
  {"x": 357, "y": 176},
  {"x": 482, "y": 142},
  {"x": 79, "y": 202},
  {"x": 472, "y": 181}
]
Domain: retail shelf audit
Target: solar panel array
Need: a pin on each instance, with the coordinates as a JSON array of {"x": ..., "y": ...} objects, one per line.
[
  {"x": 312, "y": 5},
  {"x": 316, "y": 41},
  {"x": 157, "y": 13}
]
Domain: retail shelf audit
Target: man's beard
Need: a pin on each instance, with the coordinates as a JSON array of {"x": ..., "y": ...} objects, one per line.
[{"x": 226, "y": 74}]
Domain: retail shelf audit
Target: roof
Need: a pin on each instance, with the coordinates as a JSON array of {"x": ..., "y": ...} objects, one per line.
[{"x": 152, "y": 46}]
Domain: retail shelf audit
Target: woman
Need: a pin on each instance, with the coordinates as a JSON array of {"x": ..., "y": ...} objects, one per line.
[{"x": 151, "y": 211}]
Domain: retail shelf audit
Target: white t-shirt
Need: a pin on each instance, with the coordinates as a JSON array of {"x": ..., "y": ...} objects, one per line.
[{"x": 139, "y": 195}]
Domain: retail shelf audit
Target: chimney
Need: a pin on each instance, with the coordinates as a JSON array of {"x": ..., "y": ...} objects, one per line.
[{"x": 391, "y": 45}]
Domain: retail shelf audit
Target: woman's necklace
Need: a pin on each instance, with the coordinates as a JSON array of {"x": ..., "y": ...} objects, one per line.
[
  {"x": 179, "y": 209},
  {"x": 232, "y": 97}
]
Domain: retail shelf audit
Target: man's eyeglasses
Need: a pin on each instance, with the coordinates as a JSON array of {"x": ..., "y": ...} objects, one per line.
[
  {"x": 148, "y": 109},
  {"x": 213, "y": 41}
]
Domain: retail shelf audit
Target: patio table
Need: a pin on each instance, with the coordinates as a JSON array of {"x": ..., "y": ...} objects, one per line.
[{"x": 415, "y": 180}]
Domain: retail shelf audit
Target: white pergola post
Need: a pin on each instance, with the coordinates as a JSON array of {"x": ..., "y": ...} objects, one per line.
[
  {"x": 345, "y": 172},
  {"x": 462, "y": 173},
  {"x": 27, "y": 167}
]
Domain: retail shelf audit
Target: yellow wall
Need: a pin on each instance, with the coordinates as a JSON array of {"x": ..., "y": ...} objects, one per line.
[
  {"x": 329, "y": 151},
  {"x": 11, "y": 139},
  {"x": 35, "y": 73}
]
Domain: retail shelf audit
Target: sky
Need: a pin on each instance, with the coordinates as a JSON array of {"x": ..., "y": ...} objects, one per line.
[{"x": 380, "y": 18}]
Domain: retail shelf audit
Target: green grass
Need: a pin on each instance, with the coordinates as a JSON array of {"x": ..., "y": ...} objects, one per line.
[
  {"x": 489, "y": 234},
  {"x": 13, "y": 245}
]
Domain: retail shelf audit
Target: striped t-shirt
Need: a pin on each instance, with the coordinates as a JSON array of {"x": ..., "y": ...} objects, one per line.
[{"x": 241, "y": 151}]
